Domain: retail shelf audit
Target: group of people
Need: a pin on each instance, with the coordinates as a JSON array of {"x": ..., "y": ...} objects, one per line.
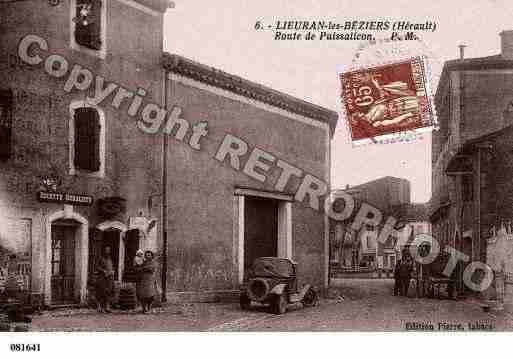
[
  {"x": 144, "y": 268},
  {"x": 402, "y": 276}
]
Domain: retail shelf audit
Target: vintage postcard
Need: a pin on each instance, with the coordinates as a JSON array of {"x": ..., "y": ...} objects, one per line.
[{"x": 241, "y": 166}]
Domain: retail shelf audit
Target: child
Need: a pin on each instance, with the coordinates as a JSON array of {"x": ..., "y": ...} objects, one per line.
[{"x": 139, "y": 258}]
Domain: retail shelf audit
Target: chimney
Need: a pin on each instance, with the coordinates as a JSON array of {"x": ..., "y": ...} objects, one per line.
[
  {"x": 507, "y": 44},
  {"x": 462, "y": 51}
]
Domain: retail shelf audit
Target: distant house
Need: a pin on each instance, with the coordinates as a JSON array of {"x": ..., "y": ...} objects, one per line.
[
  {"x": 357, "y": 252},
  {"x": 415, "y": 215}
]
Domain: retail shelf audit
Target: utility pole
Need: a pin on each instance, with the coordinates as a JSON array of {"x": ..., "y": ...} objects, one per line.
[{"x": 164, "y": 200}]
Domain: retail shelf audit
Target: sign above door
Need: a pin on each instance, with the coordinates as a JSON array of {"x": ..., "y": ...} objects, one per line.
[{"x": 65, "y": 198}]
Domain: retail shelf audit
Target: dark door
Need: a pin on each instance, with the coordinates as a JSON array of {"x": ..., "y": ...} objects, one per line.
[
  {"x": 63, "y": 263},
  {"x": 260, "y": 229},
  {"x": 132, "y": 239},
  {"x": 111, "y": 239}
]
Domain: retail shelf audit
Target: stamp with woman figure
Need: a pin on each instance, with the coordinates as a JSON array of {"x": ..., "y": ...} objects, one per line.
[{"x": 387, "y": 99}]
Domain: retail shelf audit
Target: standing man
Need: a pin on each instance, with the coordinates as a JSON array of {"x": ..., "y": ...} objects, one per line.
[
  {"x": 105, "y": 281},
  {"x": 405, "y": 270}
]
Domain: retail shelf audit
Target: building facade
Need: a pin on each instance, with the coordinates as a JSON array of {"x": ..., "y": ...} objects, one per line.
[
  {"x": 222, "y": 212},
  {"x": 57, "y": 140},
  {"x": 471, "y": 159},
  {"x": 80, "y": 169}
]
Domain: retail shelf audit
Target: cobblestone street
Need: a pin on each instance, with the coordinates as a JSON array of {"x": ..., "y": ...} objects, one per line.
[{"x": 366, "y": 305}]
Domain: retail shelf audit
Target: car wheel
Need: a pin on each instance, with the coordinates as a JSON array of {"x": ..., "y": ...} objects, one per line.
[
  {"x": 279, "y": 304},
  {"x": 310, "y": 298},
  {"x": 245, "y": 302}
]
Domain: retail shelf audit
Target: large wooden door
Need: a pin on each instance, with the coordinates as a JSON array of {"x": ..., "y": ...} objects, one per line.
[{"x": 63, "y": 263}]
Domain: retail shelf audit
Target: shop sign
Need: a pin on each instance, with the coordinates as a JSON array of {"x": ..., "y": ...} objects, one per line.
[{"x": 65, "y": 198}]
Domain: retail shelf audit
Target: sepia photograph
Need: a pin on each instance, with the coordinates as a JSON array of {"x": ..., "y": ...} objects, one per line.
[{"x": 290, "y": 170}]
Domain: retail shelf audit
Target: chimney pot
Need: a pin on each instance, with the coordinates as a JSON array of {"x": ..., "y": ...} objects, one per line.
[
  {"x": 507, "y": 44},
  {"x": 462, "y": 51}
]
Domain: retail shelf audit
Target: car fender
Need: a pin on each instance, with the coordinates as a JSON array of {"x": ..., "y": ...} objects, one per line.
[{"x": 278, "y": 289}]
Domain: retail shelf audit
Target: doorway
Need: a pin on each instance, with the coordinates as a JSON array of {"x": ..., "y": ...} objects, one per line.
[
  {"x": 132, "y": 244},
  {"x": 111, "y": 238},
  {"x": 260, "y": 229},
  {"x": 108, "y": 234},
  {"x": 63, "y": 261}
]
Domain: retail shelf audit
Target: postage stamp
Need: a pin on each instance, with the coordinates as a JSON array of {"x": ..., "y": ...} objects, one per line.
[{"x": 386, "y": 100}]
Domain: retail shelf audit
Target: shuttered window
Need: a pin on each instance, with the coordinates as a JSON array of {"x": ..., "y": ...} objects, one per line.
[
  {"x": 88, "y": 23},
  {"x": 5, "y": 124},
  {"x": 87, "y": 139}
]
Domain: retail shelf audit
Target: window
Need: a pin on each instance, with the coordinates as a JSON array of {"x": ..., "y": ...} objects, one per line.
[
  {"x": 5, "y": 124},
  {"x": 88, "y": 26},
  {"x": 87, "y": 140}
]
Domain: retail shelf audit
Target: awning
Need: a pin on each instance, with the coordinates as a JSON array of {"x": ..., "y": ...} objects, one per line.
[{"x": 459, "y": 165}]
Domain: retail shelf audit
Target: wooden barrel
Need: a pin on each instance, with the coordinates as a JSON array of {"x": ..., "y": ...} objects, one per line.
[{"x": 127, "y": 296}]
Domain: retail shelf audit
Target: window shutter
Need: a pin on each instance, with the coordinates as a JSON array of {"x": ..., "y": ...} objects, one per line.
[
  {"x": 81, "y": 138},
  {"x": 5, "y": 124},
  {"x": 94, "y": 132},
  {"x": 89, "y": 35},
  {"x": 87, "y": 139}
]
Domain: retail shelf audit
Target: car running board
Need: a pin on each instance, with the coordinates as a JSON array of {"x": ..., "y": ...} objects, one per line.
[{"x": 297, "y": 297}]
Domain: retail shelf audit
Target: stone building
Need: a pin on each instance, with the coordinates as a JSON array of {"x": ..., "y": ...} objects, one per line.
[
  {"x": 222, "y": 214},
  {"x": 472, "y": 150},
  {"x": 82, "y": 82}
]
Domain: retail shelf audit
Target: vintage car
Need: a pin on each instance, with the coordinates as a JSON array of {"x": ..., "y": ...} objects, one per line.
[{"x": 273, "y": 281}]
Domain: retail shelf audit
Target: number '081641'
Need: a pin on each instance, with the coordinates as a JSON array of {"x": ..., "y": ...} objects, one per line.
[{"x": 25, "y": 347}]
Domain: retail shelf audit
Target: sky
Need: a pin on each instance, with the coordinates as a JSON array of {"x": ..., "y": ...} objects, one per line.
[{"x": 222, "y": 34}]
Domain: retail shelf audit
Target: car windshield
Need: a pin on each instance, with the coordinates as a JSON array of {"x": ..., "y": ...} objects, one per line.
[{"x": 275, "y": 267}]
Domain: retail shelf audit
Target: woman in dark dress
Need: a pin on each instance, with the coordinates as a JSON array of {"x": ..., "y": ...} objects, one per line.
[
  {"x": 104, "y": 281},
  {"x": 146, "y": 282}
]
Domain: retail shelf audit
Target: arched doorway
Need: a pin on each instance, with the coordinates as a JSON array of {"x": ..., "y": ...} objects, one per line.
[
  {"x": 110, "y": 234},
  {"x": 66, "y": 257}
]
